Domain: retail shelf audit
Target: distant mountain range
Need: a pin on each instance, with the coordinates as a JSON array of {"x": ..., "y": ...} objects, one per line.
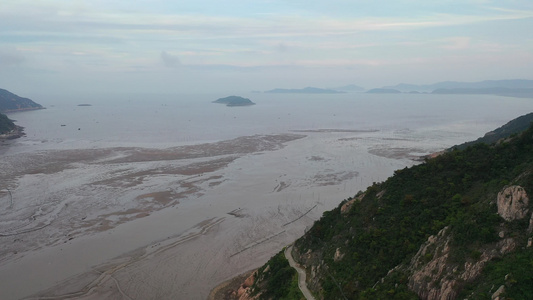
[
  {"x": 314, "y": 90},
  {"x": 307, "y": 90},
  {"x": 383, "y": 91},
  {"x": 349, "y": 88},
  {"x": 522, "y": 88},
  {"x": 10, "y": 102},
  {"x": 487, "y": 84},
  {"x": 499, "y": 91}
]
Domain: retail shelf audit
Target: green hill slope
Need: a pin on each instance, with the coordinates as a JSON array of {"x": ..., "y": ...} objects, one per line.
[
  {"x": 454, "y": 227},
  {"x": 6, "y": 125},
  {"x": 12, "y": 102},
  {"x": 512, "y": 127}
]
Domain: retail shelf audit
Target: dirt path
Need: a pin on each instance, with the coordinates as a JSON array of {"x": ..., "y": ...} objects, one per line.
[{"x": 301, "y": 274}]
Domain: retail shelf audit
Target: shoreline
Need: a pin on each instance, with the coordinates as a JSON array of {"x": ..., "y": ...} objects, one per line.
[
  {"x": 16, "y": 133},
  {"x": 220, "y": 292},
  {"x": 9, "y": 111}
]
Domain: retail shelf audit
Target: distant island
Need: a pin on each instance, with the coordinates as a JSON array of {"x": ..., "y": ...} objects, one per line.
[
  {"x": 349, "y": 88},
  {"x": 522, "y": 88},
  {"x": 234, "y": 101},
  {"x": 10, "y": 102},
  {"x": 498, "y": 91},
  {"x": 383, "y": 91},
  {"x": 307, "y": 90},
  {"x": 84, "y": 104}
]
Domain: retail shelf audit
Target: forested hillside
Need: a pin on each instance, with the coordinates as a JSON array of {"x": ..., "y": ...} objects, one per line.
[
  {"x": 6, "y": 125},
  {"x": 11, "y": 102},
  {"x": 457, "y": 226}
]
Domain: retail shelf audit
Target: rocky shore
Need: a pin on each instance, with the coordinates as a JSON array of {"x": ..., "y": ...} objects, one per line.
[
  {"x": 234, "y": 288},
  {"x": 13, "y": 134}
]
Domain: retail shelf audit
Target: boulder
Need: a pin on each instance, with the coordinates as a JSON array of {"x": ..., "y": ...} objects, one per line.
[
  {"x": 498, "y": 294},
  {"x": 249, "y": 281},
  {"x": 513, "y": 203},
  {"x": 338, "y": 255}
]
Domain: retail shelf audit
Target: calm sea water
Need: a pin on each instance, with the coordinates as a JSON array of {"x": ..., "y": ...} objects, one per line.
[{"x": 163, "y": 120}]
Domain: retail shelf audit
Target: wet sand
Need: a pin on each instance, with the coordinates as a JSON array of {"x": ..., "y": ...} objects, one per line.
[{"x": 173, "y": 223}]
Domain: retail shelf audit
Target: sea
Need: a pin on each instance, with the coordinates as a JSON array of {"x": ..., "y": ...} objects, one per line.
[{"x": 168, "y": 120}]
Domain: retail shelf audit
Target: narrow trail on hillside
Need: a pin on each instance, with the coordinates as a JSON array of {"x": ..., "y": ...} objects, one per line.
[{"x": 301, "y": 274}]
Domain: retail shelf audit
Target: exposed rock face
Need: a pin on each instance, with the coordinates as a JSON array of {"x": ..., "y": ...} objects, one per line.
[
  {"x": 513, "y": 203},
  {"x": 243, "y": 293},
  {"x": 346, "y": 207},
  {"x": 498, "y": 293},
  {"x": 435, "y": 277},
  {"x": 314, "y": 266},
  {"x": 338, "y": 255},
  {"x": 425, "y": 275}
]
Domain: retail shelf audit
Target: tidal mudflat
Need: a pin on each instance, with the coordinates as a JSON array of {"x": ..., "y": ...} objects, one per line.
[{"x": 173, "y": 222}]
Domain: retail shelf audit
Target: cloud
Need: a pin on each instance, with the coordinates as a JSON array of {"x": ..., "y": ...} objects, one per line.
[{"x": 169, "y": 60}]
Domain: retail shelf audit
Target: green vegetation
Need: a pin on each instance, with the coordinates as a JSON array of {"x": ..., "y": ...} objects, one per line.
[
  {"x": 512, "y": 271},
  {"x": 6, "y": 125},
  {"x": 513, "y": 127},
  {"x": 384, "y": 230},
  {"x": 12, "y": 102},
  {"x": 277, "y": 280}
]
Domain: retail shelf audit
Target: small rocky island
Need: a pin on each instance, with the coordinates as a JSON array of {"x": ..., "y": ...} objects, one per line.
[{"x": 234, "y": 101}]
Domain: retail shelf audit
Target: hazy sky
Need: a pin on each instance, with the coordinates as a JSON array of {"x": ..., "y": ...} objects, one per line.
[{"x": 75, "y": 46}]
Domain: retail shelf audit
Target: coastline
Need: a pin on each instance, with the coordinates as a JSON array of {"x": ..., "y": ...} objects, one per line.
[
  {"x": 226, "y": 288},
  {"x": 16, "y": 133},
  {"x": 8, "y": 111}
]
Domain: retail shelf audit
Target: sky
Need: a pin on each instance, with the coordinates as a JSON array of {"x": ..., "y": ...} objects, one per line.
[{"x": 231, "y": 46}]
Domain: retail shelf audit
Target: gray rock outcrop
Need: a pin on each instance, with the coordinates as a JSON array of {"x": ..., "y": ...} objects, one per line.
[
  {"x": 513, "y": 203},
  {"x": 435, "y": 276}
]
